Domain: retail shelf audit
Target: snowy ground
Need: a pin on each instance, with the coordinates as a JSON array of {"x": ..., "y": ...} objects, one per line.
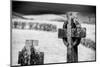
[
  {"x": 53, "y": 48},
  {"x": 87, "y": 54}
]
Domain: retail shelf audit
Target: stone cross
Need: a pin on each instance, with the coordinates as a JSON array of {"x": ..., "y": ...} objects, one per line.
[{"x": 71, "y": 38}]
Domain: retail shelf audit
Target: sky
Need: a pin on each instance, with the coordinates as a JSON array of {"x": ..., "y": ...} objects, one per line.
[
  {"x": 37, "y": 8},
  {"x": 55, "y": 8}
]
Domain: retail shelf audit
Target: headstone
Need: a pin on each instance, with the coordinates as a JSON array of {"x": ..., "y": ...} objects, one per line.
[{"x": 71, "y": 35}]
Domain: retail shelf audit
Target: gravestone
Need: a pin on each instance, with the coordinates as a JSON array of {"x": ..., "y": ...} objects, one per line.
[
  {"x": 29, "y": 56},
  {"x": 71, "y": 35}
]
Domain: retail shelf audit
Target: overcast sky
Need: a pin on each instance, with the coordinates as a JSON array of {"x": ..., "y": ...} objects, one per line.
[{"x": 41, "y": 8}]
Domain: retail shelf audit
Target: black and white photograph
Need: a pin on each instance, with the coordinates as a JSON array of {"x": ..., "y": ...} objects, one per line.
[{"x": 52, "y": 33}]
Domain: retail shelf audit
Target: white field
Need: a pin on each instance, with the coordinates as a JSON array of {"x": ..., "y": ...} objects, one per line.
[
  {"x": 53, "y": 48},
  {"x": 87, "y": 54}
]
